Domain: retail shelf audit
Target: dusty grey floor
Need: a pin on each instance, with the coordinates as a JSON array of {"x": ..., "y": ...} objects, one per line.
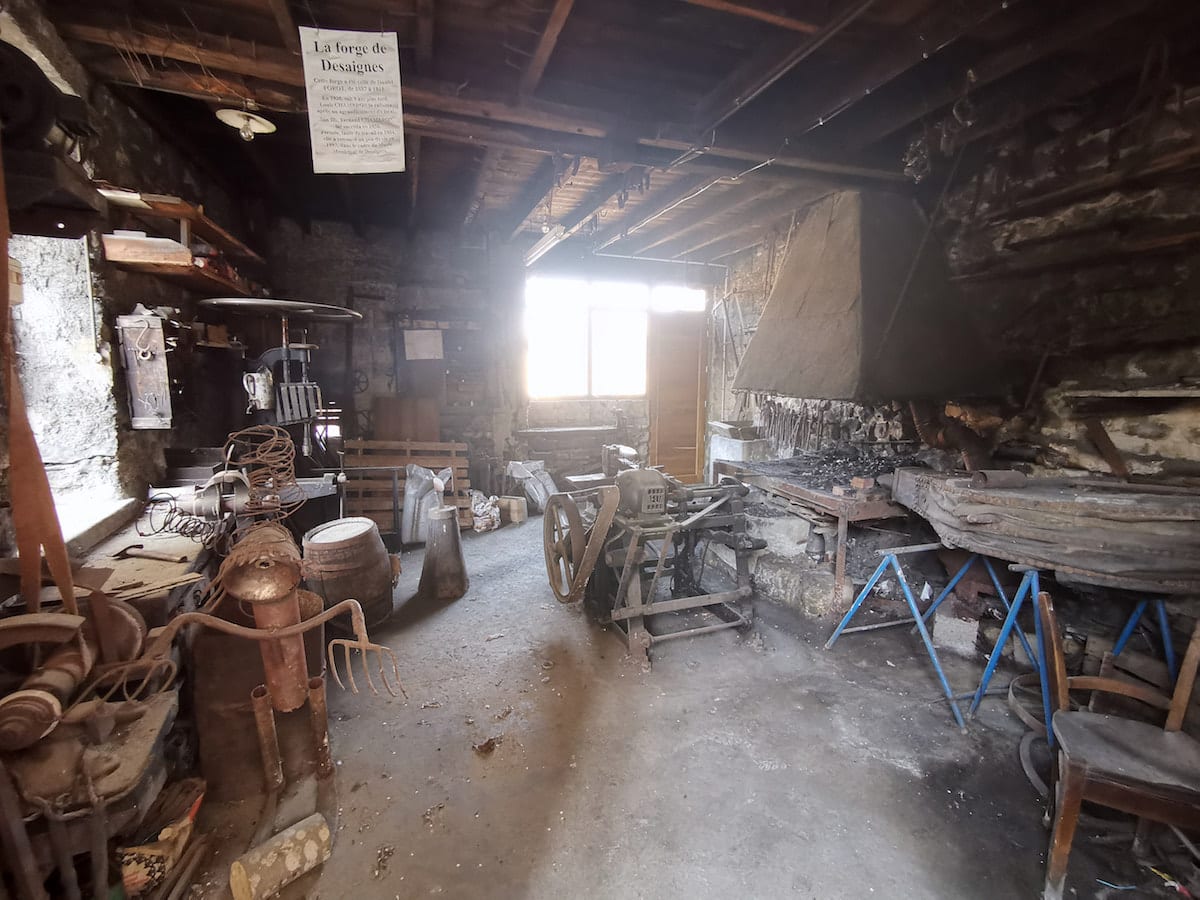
[{"x": 745, "y": 766}]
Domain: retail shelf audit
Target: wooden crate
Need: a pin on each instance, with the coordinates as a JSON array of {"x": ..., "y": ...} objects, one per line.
[{"x": 369, "y": 493}]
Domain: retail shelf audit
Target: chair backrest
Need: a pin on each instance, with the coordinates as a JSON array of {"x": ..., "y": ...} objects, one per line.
[
  {"x": 1060, "y": 684},
  {"x": 1056, "y": 658}
]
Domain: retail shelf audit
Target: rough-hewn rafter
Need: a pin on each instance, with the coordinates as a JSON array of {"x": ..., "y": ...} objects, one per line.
[
  {"x": 532, "y": 196},
  {"x": 750, "y": 9},
  {"x": 536, "y": 67},
  {"x": 287, "y": 25},
  {"x": 562, "y": 123}
]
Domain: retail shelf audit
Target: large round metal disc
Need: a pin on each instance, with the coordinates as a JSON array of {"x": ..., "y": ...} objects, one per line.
[
  {"x": 275, "y": 306},
  {"x": 563, "y": 540}
]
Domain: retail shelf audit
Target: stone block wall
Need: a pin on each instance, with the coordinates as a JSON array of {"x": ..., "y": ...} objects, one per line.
[
  {"x": 391, "y": 276},
  {"x": 78, "y": 340}
]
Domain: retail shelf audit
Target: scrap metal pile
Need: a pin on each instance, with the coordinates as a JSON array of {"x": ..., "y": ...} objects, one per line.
[
  {"x": 648, "y": 532},
  {"x": 86, "y": 723}
]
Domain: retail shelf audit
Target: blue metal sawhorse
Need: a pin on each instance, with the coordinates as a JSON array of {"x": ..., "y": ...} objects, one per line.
[
  {"x": 1165, "y": 629},
  {"x": 1029, "y": 590},
  {"x": 890, "y": 560}
]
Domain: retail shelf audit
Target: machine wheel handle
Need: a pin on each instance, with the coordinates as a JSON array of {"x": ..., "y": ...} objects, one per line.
[{"x": 563, "y": 540}]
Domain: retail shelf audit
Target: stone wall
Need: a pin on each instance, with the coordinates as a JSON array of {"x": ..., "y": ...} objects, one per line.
[
  {"x": 130, "y": 153},
  {"x": 1073, "y": 243},
  {"x": 393, "y": 277},
  {"x": 67, "y": 380}
]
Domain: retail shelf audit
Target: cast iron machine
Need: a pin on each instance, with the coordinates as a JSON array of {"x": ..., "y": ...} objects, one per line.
[
  {"x": 279, "y": 387},
  {"x": 649, "y": 536}
]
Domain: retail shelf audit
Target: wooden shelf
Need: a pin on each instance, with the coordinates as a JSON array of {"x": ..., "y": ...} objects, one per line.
[
  {"x": 169, "y": 259},
  {"x": 163, "y": 206}
]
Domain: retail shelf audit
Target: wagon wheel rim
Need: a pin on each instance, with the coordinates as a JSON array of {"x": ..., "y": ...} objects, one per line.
[{"x": 563, "y": 541}]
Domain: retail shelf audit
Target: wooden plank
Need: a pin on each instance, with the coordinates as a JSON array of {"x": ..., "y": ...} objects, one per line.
[
  {"x": 142, "y": 250},
  {"x": 753, "y": 10},
  {"x": 287, "y": 25},
  {"x": 442, "y": 447},
  {"x": 663, "y": 201},
  {"x": 1098, "y": 435},
  {"x": 567, "y": 127},
  {"x": 883, "y": 116},
  {"x": 531, "y": 197},
  {"x": 425, "y": 37},
  {"x": 536, "y": 68}
]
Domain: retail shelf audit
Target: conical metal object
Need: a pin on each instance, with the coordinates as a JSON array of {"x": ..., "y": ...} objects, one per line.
[{"x": 444, "y": 573}]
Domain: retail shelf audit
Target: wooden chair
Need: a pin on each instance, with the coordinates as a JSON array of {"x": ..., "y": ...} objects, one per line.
[{"x": 1138, "y": 768}]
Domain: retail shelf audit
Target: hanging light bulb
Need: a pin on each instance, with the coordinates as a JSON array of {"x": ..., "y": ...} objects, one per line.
[{"x": 249, "y": 125}]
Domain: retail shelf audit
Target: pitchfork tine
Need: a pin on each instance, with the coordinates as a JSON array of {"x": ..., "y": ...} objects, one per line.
[{"x": 333, "y": 665}]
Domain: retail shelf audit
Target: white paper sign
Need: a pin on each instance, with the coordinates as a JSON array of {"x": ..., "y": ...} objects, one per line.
[
  {"x": 422, "y": 344},
  {"x": 355, "y": 117}
]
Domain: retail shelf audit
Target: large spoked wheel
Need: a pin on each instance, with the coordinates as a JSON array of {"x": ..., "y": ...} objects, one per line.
[{"x": 563, "y": 540}]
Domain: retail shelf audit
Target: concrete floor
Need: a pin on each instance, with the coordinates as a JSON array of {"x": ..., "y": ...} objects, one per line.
[{"x": 753, "y": 765}]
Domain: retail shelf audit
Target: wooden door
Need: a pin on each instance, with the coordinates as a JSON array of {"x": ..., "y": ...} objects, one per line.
[{"x": 675, "y": 389}]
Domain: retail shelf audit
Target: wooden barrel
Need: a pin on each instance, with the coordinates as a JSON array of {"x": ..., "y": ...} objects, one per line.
[{"x": 345, "y": 559}]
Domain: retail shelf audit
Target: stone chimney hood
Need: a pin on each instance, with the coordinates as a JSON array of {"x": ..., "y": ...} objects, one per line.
[{"x": 822, "y": 334}]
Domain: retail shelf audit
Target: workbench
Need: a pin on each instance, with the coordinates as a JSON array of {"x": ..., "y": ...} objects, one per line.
[{"x": 845, "y": 508}]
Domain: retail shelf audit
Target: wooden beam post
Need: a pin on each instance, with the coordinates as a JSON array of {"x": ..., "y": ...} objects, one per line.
[
  {"x": 759, "y": 12},
  {"x": 532, "y": 76},
  {"x": 702, "y": 216},
  {"x": 881, "y": 116},
  {"x": 535, "y": 191},
  {"x": 425, "y": 37},
  {"x": 287, "y": 25},
  {"x": 478, "y": 186}
]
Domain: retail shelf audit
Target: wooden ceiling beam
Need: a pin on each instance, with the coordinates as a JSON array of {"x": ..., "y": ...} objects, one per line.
[
  {"x": 287, "y": 25},
  {"x": 224, "y": 54},
  {"x": 412, "y": 144},
  {"x": 656, "y": 205},
  {"x": 762, "y": 70},
  {"x": 761, "y": 216},
  {"x": 477, "y": 191},
  {"x": 768, "y": 13},
  {"x": 872, "y": 121},
  {"x": 702, "y": 216},
  {"x": 230, "y": 90},
  {"x": 536, "y": 67},
  {"x": 943, "y": 24},
  {"x": 425, "y": 37},
  {"x": 532, "y": 195},
  {"x": 596, "y": 200}
]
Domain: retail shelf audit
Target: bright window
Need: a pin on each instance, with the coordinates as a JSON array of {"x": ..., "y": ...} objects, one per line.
[{"x": 588, "y": 338}]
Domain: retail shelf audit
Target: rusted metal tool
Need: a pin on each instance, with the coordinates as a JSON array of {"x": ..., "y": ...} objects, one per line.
[{"x": 139, "y": 551}]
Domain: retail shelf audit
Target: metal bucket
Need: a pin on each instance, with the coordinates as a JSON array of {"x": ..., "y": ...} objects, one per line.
[{"x": 345, "y": 560}]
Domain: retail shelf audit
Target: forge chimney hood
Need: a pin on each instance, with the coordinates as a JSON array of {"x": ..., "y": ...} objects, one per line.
[{"x": 821, "y": 335}]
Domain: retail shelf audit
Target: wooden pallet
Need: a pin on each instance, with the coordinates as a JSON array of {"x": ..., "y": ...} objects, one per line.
[{"x": 369, "y": 493}]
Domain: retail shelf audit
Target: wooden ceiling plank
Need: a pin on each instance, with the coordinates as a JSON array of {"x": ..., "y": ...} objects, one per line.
[
  {"x": 875, "y": 121},
  {"x": 595, "y": 201},
  {"x": 761, "y": 71},
  {"x": 759, "y": 13},
  {"x": 231, "y": 90},
  {"x": 532, "y": 195},
  {"x": 287, "y": 25},
  {"x": 477, "y": 191},
  {"x": 413, "y": 146},
  {"x": 662, "y": 201},
  {"x": 425, "y": 37},
  {"x": 274, "y": 64},
  {"x": 761, "y": 216},
  {"x": 536, "y": 68},
  {"x": 703, "y": 217}
]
